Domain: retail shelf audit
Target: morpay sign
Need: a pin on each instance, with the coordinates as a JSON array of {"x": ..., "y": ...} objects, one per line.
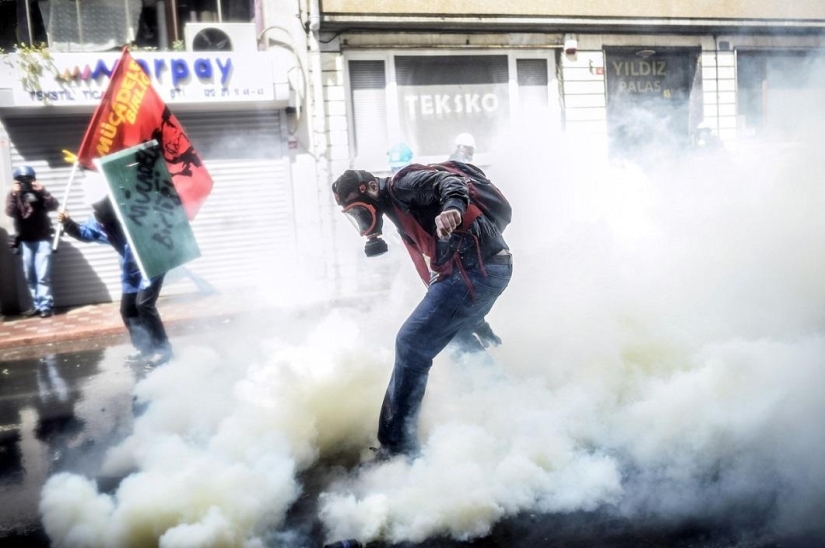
[
  {"x": 442, "y": 96},
  {"x": 73, "y": 79}
]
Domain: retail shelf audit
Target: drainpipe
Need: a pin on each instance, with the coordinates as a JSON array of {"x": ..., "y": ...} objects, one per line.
[
  {"x": 318, "y": 135},
  {"x": 318, "y": 143},
  {"x": 319, "y": 119},
  {"x": 80, "y": 27},
  {"x": 29, "y": 23},
  {"x": 174, "y": 11},
  {"x": 163, "y": 28}
]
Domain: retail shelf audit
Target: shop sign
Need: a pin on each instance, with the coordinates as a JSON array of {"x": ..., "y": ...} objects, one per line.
[
  {"x": 184, "y": 77},
  {"x": 662, "y": 76},
  {"x": 431, "y": 116},
  {"x": 648, "y": 97}
]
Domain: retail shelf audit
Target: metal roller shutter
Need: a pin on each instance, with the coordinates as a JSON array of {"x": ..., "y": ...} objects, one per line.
[
  {"x": 244, "y": 227},
  {"x": 81, "y": 273},
  {"x": 247, "y": 225}
]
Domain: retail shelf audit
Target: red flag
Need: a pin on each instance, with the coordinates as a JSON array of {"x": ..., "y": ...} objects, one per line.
[{"x": 131, "y": 112}]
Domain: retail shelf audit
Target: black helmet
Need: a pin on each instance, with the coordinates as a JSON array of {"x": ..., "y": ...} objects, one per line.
[{"x": 23, "y": 172}]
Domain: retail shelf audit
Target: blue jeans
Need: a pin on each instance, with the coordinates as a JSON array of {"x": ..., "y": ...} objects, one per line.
[
  {"x": 447, "y": 310},
  {"x": 37, "y": 266}
]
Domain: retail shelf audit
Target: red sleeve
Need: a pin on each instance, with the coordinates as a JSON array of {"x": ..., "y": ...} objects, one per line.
[{"x": 420, "y": 264}]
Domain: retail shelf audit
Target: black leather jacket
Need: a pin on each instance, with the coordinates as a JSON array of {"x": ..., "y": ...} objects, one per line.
[
  {"x": 425, "y": 194},
  {"x": 31, "y": 218}
]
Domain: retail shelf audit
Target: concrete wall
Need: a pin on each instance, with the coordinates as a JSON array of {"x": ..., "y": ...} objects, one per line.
[{"x": 693, "y": 9}]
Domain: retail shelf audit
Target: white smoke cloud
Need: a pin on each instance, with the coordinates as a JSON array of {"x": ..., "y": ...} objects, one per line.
[
  {"x": 663, "y": 341},
  {"x": 213, "y": 459},
  {"x": 662, "y": 356}
]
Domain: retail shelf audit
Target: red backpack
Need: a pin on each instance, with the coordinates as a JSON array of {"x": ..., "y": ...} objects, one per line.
[{"x": 483, "y": 193}]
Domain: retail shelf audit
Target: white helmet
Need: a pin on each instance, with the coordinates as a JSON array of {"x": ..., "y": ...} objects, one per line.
[{"x": 465, "y": 139}]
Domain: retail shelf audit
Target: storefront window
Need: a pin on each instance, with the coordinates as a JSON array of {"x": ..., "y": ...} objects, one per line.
[
  {"x": 649, "y": 98},
  {"x": 369, "y": 110},
  {"x": 100, "y": 25},
  {"x": 533, "y": 80},
  {"x": 780, "y": 93},
  {"x": 442, "y": 96},
  {"x": 436, "y": 98}
]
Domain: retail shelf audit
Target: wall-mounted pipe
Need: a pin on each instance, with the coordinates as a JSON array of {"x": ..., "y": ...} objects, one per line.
[
  {"x": 29, "y": 23},
  {"x": 314, "y": 16}
]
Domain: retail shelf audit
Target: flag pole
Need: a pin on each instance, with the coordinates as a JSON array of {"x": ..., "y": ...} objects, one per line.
[{"x": 69, "y": 157}]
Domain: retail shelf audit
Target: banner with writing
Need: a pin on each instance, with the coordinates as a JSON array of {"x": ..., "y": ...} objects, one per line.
[
  {"x": 149, "y": 208},
  {"x": 132, "y": 112}
]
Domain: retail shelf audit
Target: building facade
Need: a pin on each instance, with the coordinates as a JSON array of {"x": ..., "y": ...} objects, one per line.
[
  {"x": 620, "y": 77},
  {"x": 235, "y": 103},
  {"x": 319, "y": 86},
  {"x": 596, "y": 67}
]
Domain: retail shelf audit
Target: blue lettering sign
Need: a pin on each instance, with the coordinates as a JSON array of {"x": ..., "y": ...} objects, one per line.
[
  {"x": 160, "y": 66},
  {"x": 180, "y": 71},
  {"x": 203, "y": 68},
  {"x": 225, "y": 69},
  {"x": 101, "y": 69}
]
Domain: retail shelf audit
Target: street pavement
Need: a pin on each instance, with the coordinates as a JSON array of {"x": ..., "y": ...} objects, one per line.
[
  {"x": 25, "y": 337},
  {"x": 40, "y": 441}
]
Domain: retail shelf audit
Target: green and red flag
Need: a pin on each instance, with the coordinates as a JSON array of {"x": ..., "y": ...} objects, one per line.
[{"x": 130, "y": 113}]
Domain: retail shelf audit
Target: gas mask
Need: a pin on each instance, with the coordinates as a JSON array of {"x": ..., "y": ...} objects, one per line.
[{"x": 361, "y": 210}]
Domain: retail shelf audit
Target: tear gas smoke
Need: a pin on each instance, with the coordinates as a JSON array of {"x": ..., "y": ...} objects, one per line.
[{"x": 663, "y": 356}]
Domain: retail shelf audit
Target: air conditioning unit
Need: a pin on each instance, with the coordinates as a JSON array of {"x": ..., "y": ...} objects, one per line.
[{"x": 220, "y": 37}]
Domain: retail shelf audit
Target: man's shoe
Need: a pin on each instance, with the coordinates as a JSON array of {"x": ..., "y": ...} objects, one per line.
[
  {"x": 29, "y": 313},
  {"x": 383, "y": 454},
  {"x": 136, "y": 357},
  {"x": 158, "y": 358},
  {"x": 46, "y": 313}
]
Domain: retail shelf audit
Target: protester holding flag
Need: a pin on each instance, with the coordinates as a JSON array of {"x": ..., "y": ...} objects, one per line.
[
  {"x": 131, "y": 113},
  {"x": 139, "y": 296}
]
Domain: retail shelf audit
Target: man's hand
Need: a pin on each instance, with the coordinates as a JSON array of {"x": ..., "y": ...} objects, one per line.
[
  {"x": 63, "y": 217},
  {"x": 15, "y": 188},
  {"x": 446, "y": 222},
  {"x": 37, "y": 187},
  {"x": 485, "y": 335}
]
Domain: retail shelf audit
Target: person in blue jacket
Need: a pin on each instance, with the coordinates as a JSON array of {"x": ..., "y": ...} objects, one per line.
[{"x": 139, "y": 295}]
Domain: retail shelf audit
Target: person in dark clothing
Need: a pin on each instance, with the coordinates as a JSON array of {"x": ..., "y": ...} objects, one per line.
[
  {"x": 459, "y": 254},
  {"x": 139, "y": 295},
  {"x": 465, "y": 148},
  {"x": 29, "y": 204}
]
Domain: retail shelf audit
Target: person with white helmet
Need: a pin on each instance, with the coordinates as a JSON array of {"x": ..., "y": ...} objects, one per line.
[
  {"x": 465, "y": 147},
  {"x": 29, "y": 204},
  {"x": 705, "y": 139}
]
